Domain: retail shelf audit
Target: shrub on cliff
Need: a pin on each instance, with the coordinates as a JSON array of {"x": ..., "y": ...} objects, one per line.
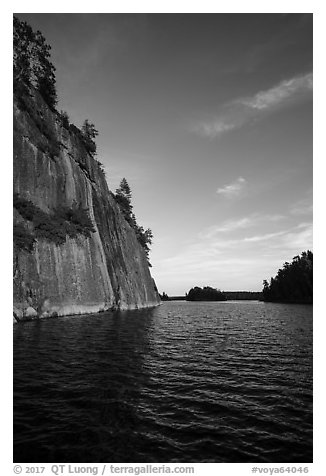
[
  {"x": 65, "y": 119},
  {"x": 55, "y": 226},
  {"x": 23, "y": 238},
  {"x": 32, "y": 65},
  {"x": 25, "y": 207},
  {"x": 78, "y": 217},
  {"x": 46, "y": 141}
]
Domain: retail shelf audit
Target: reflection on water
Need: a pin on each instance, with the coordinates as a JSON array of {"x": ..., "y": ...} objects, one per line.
[{"x": 184, "y": 382}]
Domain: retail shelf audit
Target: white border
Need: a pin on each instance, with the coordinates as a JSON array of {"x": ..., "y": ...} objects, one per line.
[{"x": 316, "y": 7}]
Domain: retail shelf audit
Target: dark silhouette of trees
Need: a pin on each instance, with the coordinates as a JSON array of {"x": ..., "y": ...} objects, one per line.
[
  {"x": 243, "y": 295},
  {"x": 205, "y": 294},
  {"x": 164, "y": 296},
  {"x": 65, "y": 119},
  {"x": 293, "y": 283},
  {"x": 123, "y": 198},
  {"x": 32, "y": 65}
]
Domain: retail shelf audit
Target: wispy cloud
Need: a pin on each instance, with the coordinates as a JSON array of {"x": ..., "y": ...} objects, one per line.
[
  {"x": 278, "y": 95},
  {"x": 215, "y": 128},
  {"x": 302, "y": 207},
  {"x": 240, "y": 111},
  {"x": 266, "y": 236},
  {"x": 299, "y": 239},
  {"x": 243, "y": 223},
  {"x": 233, "y": 189},
  {"x": 218, "y": 260},
  {"x": 226, "y": 227}
]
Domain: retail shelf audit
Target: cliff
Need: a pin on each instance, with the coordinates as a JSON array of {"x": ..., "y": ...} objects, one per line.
[{"x": 62, "y": 264}]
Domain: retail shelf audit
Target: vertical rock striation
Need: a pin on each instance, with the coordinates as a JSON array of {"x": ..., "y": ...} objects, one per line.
[{"x": 84, "y": 274}]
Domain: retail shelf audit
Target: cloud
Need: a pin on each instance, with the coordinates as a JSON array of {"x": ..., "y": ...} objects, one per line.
[
  {"x": 221, "y": 261},
  {"x": 278, "y": 95},
  {"x": 302, "y": 207},
  {"x": 266, "y": 236},
  {"x": 234, "y": 189},
  {"x": 275, "y": 218},
  {"x": 214, "y": 129},
  {"x": 235, "y": 114},
  {"x": 300, "y": 239},
  {"x": 227, "y": 227}
]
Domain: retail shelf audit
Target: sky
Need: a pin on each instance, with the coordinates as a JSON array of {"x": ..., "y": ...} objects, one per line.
[{"x": 209, "y": 118}]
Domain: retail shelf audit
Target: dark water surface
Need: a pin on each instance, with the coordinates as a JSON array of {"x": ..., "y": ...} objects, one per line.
[{"x": 184, "y": 382}]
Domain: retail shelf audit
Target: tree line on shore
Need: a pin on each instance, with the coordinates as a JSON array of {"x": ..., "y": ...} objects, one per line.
[
  {"x": 211, "y": 294},
  {"x": 293, "y": 283}
]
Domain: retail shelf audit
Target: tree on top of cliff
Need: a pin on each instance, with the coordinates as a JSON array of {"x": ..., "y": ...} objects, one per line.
[
  {"x": 65, "y": 119},
  {"x": 123, "y": 198},
  {"x": 145, "y": 237},
  {"x": 32, "y": 65},
  {"x": 89, "y": 133}
]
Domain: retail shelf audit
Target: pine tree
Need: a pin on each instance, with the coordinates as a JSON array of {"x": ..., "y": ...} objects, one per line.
[
  {"x": 32, "y": 65},
  {"x": 65, "y": 119},
  {"x": 23, "y": 35},
  {"x": 123, "y": 197},
  {"x": 89, "y": 133}
]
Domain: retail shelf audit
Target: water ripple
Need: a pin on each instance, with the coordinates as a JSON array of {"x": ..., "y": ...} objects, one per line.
[{"x": 185, "y": 382}]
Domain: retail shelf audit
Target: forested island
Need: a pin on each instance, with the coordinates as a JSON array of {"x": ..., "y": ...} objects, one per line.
[
  {"x": 205, "y": 294},
  {"x": 293, "y": 282},
  {"x": 229, "y": 295}
]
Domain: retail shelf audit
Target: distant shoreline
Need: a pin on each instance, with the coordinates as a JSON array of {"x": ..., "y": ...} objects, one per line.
[
  {"x": 183, "y": 298},
  {"x": 230, "y": 296}
]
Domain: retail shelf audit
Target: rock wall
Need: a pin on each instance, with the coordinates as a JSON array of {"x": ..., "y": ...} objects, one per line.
[{"x": 107, "y": 270}]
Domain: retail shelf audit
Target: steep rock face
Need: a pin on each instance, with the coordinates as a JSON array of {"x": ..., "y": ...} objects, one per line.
[{"x": 107, "y": 270}]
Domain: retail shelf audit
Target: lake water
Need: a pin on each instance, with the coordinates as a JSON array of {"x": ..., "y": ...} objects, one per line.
[{"x": 184, "y": 382}]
